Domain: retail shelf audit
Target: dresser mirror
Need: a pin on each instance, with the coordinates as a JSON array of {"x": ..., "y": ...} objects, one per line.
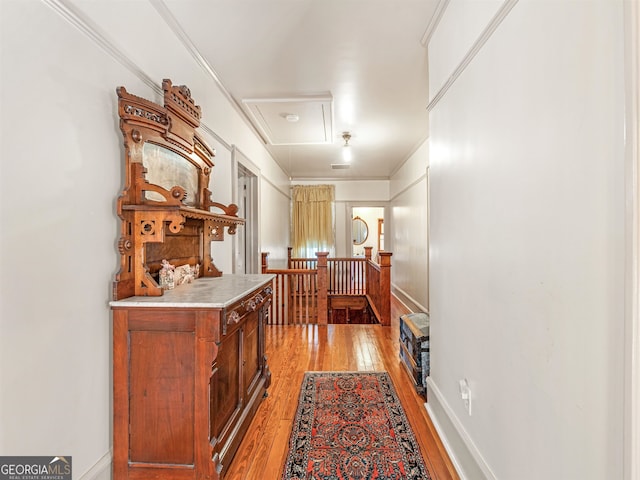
[
  {"x": 166, "y": 168},
  {"x": 166, "y": 210}
]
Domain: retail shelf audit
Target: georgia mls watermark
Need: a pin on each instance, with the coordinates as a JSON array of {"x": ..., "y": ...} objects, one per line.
[{"x": 35, "y": 468}]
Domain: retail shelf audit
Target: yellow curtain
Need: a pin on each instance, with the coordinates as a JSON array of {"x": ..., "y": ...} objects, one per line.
[{"x": 312, "y": 220}]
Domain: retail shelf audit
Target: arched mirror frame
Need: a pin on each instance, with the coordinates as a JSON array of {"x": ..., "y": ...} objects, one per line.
[{"x": 360, "y": 231}]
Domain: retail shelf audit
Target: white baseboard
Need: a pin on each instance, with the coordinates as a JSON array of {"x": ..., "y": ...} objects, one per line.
[
  {"x": 464, "y": 454},
  {"x": 407, "y": 300},
  {"x": 101, "y": 470}
]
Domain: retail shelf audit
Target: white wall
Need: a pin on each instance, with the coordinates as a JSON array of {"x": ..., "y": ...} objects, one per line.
[
  {"x": 222, "y": 191},
  {"x": 527, "y": 235},
  {"x": 275, "y": 205},
  {"x": 61, "y": 172},
  {"x": 409, "y": 230}
]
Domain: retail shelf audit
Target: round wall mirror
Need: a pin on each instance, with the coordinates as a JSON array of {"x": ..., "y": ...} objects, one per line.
[{"x": 360, "y": 231}]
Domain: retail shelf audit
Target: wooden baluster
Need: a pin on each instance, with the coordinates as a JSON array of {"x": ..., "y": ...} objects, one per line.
[
  {"x": 278, "y": 300},
  {"x": 301, "y": 307},
  {"x": 294, "y": 300},
  {"x": 289, "y": 318},
  {"x": 287, "y": 299},
  {"x": 315, "y": 298},
  {"x": 322, "y": 287},
  {"x": 283, "y": 300},
  {"x": 301, "y": 319},
  {"x": 303, "y": 297},
  {"x": 307, "y": 297}
]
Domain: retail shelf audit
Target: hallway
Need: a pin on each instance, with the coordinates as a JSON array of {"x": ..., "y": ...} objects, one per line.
[{"x": 292, "y": 350}]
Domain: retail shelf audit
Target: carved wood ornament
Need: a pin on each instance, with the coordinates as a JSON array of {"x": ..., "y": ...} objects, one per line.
[{"x": 165, "y": 206}]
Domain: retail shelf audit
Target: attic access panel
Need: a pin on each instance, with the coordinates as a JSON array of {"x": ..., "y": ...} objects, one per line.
[{"x": 293, "y": 121}]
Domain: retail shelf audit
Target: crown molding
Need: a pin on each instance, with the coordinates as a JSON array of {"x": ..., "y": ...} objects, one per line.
[
  {"x": 491, "y": 27},
  {"x": 186, "y": 41}
]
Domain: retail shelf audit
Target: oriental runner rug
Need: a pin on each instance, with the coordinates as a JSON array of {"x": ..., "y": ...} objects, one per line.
[{"x": 348, "y": 426}]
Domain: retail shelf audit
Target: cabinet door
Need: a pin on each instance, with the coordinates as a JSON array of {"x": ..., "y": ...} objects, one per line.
[
  {"x": 251, "y": 354},
  {"x": 161, "y": 397},
  {"x": 226, "y": 391}
]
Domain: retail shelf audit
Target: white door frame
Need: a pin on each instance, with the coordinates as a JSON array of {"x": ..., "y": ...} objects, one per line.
[{"x": 248, "y": 240}]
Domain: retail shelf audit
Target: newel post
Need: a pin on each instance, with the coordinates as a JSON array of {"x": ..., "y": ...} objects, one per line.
[
  {"x": 323, "y": 287},
  {"x": 265, "y": 262},
  {"x": 367, "y": 253},
  {"x": 385, "y": 287},
  {"x": 289, "y": 250}
]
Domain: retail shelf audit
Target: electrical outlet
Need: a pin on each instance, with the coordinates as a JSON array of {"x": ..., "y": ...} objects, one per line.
[{"x": 465, "y": 394}]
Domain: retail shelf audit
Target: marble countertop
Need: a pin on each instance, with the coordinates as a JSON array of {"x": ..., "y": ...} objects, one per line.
[{"x": 205, "y": 292}]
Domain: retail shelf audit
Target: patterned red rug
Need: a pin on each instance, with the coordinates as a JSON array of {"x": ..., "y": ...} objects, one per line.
[{"x": 350, "y": 425}]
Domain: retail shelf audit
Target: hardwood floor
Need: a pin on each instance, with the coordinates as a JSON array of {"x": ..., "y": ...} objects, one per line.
[{"x": 293, "y": 350}]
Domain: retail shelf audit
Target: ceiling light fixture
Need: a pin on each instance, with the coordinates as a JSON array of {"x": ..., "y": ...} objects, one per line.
[
  {"x": 346, "y": 148},
  {"x": 292, "y": 117}
]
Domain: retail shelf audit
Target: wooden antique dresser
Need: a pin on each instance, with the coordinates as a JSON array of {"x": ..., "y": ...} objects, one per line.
[{"x": 189, "y": 367}]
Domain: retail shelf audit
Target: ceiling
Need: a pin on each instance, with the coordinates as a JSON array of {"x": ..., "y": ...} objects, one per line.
[{"x": 354, "y": 66}]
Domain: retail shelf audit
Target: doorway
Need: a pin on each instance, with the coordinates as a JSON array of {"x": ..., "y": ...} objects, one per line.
[
  {"x": 367, "y": 230},
  {"x": 247, "y": 259}
]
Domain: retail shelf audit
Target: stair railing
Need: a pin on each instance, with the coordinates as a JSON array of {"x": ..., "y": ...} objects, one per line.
[{"x": 302, "y": 290}]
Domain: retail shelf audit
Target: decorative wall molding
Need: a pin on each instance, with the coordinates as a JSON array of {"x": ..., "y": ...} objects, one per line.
[
  {"x": 417, "y": 181},
  {"x": 491, "y": 27},
  {"x": 458, "y": 434},
  {"x": 79, "y": 20},
  {"x": 286, "y": 193},
  {"x": 214, "y": 135},
  {"x": 435, "y": 20}
]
